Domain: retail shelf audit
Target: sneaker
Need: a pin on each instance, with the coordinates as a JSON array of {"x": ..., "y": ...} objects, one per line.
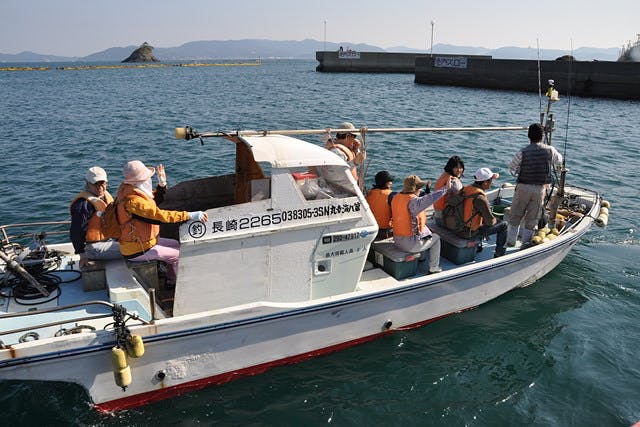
[
  {"x": 499, "y": 252},
  {"x": 511, "y": 245},
  {"x": 434, "y": 270}
]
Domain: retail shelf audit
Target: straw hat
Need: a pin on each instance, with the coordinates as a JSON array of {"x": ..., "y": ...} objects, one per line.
[{"x": 412, "y": 183}]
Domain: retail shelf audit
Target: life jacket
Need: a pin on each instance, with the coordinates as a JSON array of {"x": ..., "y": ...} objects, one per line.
[
  {"x": 378, "y": 199},
  {"x": 440, "y": 183},
  {"x": 95, "y": 231},
  {"x": 137, "y": 235},
  {"x": 347, "y": 152},
  {"x": 473, "y": 219},
  {"x": 535, "y": 167},
  {"x": 403, "y": 223}
]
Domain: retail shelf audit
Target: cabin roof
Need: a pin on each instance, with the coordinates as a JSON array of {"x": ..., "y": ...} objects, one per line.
[{"x": 285, "y": 151}]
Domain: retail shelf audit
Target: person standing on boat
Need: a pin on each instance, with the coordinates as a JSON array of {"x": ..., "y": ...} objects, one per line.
[
  {"x": 410, "y": 231},
  {"x": 379, "y": 200},
  {"x": 139, "y": 217},
  {"x": 347, "y": 147},
  {"x": 481, "y": 222},
  {"x": 86, "y": 209},
  {"x": 532, "y": 166},
  {"x": 453, "y": 171}
]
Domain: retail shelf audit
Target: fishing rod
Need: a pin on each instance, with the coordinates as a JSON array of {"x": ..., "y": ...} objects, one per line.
[
  {"x": 556, "y": 200},
  {"x": 539, "y": 84},
  {"x": 564, "y": 170}
]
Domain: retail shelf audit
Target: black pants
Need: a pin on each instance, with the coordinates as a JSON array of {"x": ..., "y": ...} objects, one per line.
[{"x": 499, "y": 229}]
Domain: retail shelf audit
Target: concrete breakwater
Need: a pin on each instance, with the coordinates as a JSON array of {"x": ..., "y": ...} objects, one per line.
[
  {"x": 369, "y": 62},
  {"x": 603, "y": 79}
]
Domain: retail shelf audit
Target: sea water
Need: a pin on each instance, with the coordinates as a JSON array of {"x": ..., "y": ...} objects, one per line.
[{"x": 561, "y": 352}]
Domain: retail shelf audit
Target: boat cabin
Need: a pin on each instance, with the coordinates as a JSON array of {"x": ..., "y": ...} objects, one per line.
[{"x": 289, "y": 225}]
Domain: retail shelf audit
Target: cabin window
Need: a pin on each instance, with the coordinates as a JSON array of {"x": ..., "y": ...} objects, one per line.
[{"x": 323, "y": 182}]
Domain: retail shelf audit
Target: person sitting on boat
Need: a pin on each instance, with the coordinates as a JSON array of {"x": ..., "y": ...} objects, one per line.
[
  {"x": 347, "y": 147},
  {"x": 410, "y": 231},
  {"x": 532, "y": 166},
  {"x": 379, "y": 199},
  {"x": 481, "y": 222},
  {"x": 86, "y": 208},
  {"x": 139, "y": 216},
  {"x": 453, "y": 172}
]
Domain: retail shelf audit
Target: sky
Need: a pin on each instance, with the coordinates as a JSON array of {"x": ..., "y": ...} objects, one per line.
[{"x": 83, "y": 27}]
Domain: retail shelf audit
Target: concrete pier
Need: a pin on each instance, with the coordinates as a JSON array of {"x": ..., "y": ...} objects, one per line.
[
  {"x": 603, "y": 79},
  {"x": 366, "y": 62}
]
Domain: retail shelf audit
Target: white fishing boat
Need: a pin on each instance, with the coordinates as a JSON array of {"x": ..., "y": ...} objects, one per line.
[{"x": 284, "y": 269}]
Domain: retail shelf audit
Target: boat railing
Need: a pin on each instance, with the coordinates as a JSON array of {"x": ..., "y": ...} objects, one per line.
[{"x": 51, "y": 225}]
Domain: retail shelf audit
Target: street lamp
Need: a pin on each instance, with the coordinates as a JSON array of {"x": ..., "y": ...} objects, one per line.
[
  {"x": 432, "y": 24},
  {"x": 325, "y": 36}
]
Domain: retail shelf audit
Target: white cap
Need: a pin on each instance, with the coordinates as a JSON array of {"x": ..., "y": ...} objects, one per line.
[
  {"x": 96, "y": 174},
  {"x": 484, "y": 174}
]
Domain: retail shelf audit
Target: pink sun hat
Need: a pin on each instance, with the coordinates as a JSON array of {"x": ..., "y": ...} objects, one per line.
[{"x": 135, "y": 171}]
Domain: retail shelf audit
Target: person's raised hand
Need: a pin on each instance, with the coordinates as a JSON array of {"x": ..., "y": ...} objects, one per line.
[{"x": 162, "y": 176}]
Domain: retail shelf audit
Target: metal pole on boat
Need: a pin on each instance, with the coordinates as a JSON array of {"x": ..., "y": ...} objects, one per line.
[
  {"x": 362, "y": 171},
  {"x": 188, "y": 132}
]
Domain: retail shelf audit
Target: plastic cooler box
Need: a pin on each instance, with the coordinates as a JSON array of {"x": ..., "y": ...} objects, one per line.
[{"x": 393, "y": 261}]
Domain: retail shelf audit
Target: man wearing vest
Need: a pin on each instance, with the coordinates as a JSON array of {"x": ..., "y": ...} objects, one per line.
[
  {"x": 532, "y": 166},
  {"x": 379, "y": 200},
  {"x": 347, "y": 147},
  {"x": 480, "y": 222},
  {"x": 410, "y": 231},
  {"x": 86, "y": 210}
]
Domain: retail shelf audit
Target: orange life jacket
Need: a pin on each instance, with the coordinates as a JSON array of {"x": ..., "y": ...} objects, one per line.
[
  {"x": 347, "y": 152},
  {"x": 137, "y": 235},
  {"x": 94, "y": 226},
  {"x": 473, "y": 219},
  {"x": 440, "y": 183},
  {"x": 402, "y": 225},
  {"x": 378, "y": 199}
]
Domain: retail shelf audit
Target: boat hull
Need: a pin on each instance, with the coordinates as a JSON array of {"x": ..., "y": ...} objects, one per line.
[{"x": 194, "y": 351}]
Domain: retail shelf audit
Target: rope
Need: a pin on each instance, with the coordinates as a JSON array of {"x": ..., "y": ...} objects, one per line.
[{"x": 42, "y": 264}]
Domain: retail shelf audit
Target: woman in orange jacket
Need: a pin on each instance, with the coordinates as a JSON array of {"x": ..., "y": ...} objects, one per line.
[{"x": 139, "y": 217}]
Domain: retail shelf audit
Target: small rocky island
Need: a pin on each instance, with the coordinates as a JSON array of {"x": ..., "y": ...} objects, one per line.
[{"x": 142, "y": 54}]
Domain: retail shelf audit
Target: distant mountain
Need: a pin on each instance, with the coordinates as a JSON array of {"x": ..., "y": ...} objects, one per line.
[
  {"x": 512, "y": 52},
  {"x": 27, "y": 56},
  {"x": 254, "y": 48},
  {"x": 304, "y": 49}
]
